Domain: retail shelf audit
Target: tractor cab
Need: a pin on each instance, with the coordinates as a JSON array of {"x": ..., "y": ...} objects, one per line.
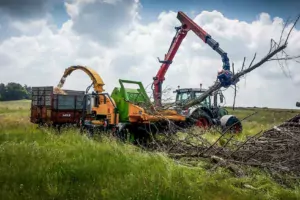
[
  {"x": 210, "y": 104},
  {"x": 186, "y": 94}
]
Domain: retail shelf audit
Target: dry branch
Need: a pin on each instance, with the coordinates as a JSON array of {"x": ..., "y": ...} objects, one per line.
[
  {"x": 275, "y": 150},
  {"x": 236, "y": 77}
]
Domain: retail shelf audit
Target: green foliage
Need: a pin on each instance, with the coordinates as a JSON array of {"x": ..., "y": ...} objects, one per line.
[
  {"x": 14, "y": 91},
  {"x": 40, "y": 164}
]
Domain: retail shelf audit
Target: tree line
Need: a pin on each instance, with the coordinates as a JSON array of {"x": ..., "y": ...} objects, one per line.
[{"x": 14, "y": 91}]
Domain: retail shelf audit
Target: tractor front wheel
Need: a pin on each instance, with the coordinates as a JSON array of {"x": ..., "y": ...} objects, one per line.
[
  {"x": 231, "y": 124},
  {"x": 237, "y": 128}
]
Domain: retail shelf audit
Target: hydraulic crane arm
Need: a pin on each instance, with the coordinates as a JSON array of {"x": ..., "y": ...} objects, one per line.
[
  {"x": 186, "y": 25},
  {"x": 97, "y": 81},
  {"x": 189, "y": 24},
  {"x": 160, "y": 76}
]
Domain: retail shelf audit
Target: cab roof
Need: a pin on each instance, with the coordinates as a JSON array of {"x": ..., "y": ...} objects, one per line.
[{"x": 182, "y": 90}]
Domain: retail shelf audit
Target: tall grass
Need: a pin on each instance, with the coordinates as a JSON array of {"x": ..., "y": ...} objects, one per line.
[{"x": 40, "y": 164}]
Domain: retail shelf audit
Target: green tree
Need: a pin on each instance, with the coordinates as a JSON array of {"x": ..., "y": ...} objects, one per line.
[{"x": 14, "y": 91}]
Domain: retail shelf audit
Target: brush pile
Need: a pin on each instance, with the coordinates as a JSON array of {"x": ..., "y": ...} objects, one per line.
[{"x": 276, "y": 150}]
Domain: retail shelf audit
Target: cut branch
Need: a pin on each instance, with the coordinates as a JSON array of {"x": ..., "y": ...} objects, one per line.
[{"x": 235, "y": 77}]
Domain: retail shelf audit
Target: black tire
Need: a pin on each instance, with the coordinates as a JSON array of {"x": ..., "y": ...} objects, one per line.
[
  {"x": 200, "y": 119},
  {"x": 231, "y": 124},
  {"x": 121, "y": 134}
]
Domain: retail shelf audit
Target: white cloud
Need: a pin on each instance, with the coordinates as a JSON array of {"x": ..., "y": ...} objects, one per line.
[
  {"x": 119, "y": 47},
  {"x": 105, "y": 21},
  {"x": 26, "y": 18}
]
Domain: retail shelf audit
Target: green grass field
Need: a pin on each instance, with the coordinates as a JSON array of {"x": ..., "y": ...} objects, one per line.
[{"x": 39, "y": 164}]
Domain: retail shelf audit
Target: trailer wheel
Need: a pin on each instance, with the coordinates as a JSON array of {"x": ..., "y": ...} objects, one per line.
[{"x": 122, "y": 134}]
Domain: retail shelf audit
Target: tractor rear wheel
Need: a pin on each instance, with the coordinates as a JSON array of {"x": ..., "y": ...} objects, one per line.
[
  {"x": 202, "y": 122},
  {"x": 200, "y": 119}
]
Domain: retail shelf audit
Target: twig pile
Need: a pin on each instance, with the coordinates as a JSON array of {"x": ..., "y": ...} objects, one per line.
[{"x": 276, "y": 150}]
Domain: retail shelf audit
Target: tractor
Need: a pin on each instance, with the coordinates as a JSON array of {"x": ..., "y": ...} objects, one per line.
[{"x": 207, "y": 113}]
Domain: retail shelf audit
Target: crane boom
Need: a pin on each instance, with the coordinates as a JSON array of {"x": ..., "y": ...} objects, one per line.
[
  {"x": 160, "y": 76},
  {"x": 97, "y": 81},
  {"x": 189, "y": 24},
  {"x": 186, "y": 25}
]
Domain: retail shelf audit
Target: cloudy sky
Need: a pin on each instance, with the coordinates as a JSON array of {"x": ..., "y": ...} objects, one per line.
[{"x": 122, "y": 39}]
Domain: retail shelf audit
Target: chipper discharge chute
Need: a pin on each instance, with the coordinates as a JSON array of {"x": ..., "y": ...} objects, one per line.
[{"x": 126, "y": 108}]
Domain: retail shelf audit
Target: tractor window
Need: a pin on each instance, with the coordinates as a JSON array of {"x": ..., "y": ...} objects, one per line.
[
  {"x": 198, "y": 94},
  {"x": 205, "y": 101},
  {"x": 183, "y": 96}
]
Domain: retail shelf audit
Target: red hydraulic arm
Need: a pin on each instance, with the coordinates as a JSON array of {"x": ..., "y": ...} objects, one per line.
[
  {"x": 160, "y": 76},
  {"x": 186, "y": 25}
]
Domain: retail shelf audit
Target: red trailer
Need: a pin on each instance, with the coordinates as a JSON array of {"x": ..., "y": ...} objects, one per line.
[{"x": 56, "y": 109}]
